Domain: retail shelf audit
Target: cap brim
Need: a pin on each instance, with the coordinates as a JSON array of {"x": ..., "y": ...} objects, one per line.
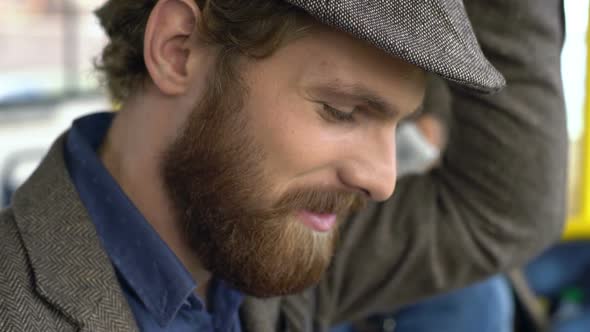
[{"x": 436, "y": 36}]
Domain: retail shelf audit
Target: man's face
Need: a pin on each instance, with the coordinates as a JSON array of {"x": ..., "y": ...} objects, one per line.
[{"x": 275, "y": 157}]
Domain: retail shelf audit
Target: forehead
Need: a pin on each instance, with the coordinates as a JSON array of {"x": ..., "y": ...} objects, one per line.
[{"x": 326, "y": 56}]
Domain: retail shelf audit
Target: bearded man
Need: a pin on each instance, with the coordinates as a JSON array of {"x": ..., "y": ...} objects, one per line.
[{"x": 246, "y": 184}]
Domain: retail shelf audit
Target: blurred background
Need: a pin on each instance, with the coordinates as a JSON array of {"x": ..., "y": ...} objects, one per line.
[{"x": 46, "y": 78}]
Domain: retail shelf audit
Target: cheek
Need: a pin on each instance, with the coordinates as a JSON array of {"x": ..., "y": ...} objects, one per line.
[
  {"x": 284, "y": 124},
  {"x": 293, "y": 138}
]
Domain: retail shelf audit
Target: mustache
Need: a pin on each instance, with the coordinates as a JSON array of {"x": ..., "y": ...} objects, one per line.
[{"x": 320, "y": 201}]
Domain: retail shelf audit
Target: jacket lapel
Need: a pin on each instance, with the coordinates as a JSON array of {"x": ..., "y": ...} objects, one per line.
[
  {"x": 260, "y": 315},
  {"x": 70, "y": 268},
  {"x": 294, "y": 313}
]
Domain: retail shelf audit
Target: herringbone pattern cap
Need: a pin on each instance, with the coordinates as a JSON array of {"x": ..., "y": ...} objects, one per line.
[{"x": 435, "y": 35}]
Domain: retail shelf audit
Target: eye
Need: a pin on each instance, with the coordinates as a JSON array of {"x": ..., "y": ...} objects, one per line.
[{"x": 332, "y": 114}]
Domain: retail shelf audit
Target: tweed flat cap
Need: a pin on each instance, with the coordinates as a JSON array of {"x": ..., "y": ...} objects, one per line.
[{"x": 435, "y": 35}]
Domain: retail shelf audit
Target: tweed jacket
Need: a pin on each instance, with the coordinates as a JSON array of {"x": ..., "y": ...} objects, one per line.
[{"x": 494, "y": 202}]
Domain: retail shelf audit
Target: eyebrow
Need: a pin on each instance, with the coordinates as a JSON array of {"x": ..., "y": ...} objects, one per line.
[{"x": 361, "y": 94}]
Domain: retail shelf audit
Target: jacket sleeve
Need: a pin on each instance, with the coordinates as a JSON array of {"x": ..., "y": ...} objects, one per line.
[{"x": 497, "y": 198}]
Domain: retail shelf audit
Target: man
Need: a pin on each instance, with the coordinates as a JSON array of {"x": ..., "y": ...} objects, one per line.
[{"x": 250, "y": 130}]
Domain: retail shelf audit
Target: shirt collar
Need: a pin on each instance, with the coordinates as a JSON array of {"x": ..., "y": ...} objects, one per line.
[
  {"x": 225, "y": 303},
  {"x": 139, "y": 255}
]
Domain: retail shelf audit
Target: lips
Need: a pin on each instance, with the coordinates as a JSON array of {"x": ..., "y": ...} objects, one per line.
[{"x": 318, "y": 222}]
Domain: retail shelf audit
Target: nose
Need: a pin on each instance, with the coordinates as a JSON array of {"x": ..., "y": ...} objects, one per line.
[{"x": 372, "y": 170}]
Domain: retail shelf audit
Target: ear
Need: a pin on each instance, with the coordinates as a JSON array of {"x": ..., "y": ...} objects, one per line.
[{"x": 167, "y": 44}]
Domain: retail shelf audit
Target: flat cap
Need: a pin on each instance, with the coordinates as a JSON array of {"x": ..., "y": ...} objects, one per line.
[{"x": 435, "y": 35}]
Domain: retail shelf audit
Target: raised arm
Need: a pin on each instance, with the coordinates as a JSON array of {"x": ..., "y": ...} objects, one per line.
[{"x": 498, "y": 197}]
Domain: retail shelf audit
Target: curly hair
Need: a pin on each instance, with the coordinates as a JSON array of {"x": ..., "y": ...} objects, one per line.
[{"x": 253, "y": 28}]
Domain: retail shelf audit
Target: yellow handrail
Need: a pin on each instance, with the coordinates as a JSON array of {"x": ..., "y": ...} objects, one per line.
[{"x": 578, "y": 227}]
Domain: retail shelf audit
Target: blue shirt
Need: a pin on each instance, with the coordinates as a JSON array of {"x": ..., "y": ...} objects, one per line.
[{"x": 158, "y": 288}]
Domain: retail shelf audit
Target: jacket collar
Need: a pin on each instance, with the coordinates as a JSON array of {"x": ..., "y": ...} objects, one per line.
[{"x": 70, "y": 269}]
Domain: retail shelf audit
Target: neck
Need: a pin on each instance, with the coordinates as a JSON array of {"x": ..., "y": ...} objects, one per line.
[{"x": 132, "y": 156}]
